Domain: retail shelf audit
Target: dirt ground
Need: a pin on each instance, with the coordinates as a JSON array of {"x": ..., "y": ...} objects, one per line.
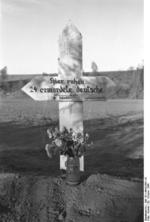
[
  {"x": 111, "y": 188},
  {"x": 42, "y": 198}
]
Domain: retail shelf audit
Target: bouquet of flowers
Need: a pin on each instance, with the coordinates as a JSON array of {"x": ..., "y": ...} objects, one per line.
[{"x": 66, "y": 142}]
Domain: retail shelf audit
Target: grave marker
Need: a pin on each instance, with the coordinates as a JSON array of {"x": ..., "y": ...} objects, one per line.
[{"x": 70, "y": 69}]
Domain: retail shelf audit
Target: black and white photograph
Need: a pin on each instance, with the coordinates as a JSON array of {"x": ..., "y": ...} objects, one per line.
[{"x": 71, "y": 111}]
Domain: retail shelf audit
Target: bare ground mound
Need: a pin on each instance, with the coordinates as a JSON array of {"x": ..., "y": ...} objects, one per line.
[{"x": 46, "y": 199}]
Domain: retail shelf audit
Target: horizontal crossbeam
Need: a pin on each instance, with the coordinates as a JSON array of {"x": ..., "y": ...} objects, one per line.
[{"x": 46, "y": 88}]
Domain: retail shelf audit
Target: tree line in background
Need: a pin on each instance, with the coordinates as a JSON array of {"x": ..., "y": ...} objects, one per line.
[
  {"x": 3, "y": 73},
  {"x": 129, "y": 83},
  {"x": 94, "y": 69}
]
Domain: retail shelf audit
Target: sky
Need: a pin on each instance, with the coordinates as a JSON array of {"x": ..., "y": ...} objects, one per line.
[{"x": 112, "y": 33}]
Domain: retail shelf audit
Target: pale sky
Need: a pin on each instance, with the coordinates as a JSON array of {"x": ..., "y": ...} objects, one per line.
[{"x": 112, "y": 33}]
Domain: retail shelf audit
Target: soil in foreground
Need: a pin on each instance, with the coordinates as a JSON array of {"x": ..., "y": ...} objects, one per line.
[{"x": 46, "y": 199}]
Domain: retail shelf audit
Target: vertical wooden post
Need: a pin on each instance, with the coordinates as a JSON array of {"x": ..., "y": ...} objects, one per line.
[
  {"x": 70, "y": 67},
  {"x": 71, "y": 115}
]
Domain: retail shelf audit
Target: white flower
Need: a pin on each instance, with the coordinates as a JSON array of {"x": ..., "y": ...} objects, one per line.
[
  {"x": 49, "y": 133},
  {"x": 87, "y": 135},
  {"x": 74, "y": 136},
  {"x": 58, "y": 142},
  {"x": 81, "y": 140},
  {"x": 48, "y": 150}
]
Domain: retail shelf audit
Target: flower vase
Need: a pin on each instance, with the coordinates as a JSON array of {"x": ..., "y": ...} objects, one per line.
[{"x": 73, "y": 171}]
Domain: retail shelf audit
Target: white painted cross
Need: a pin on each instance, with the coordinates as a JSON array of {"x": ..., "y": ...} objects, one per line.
[{"x": 70, "y": 88}]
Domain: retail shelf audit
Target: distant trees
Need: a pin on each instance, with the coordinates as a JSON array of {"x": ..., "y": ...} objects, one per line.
[
  {"x": 94, "y": 67},
  {"x": 3, "y": 77},
  {"x": 131, "y": 68},
  {"x": 140, "y": 65},
  {"x": 44, "y": 74},
  {"x": 3, "y": 73}
]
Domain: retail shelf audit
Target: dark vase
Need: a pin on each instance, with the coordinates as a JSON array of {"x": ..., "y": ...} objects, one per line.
[{"x": 73, "y": 171}]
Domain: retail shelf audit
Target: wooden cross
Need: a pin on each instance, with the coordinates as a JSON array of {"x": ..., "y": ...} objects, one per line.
[{"x": 70, "y": 76}]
